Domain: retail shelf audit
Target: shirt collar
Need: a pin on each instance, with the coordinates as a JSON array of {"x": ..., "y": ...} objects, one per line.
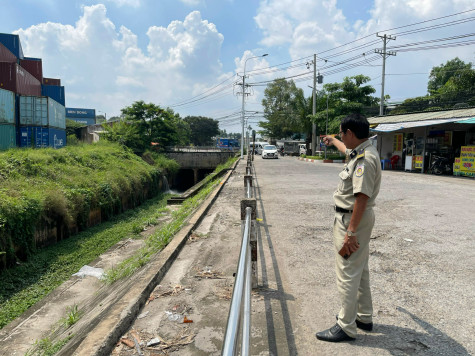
[{"x": 361, "y": 146}]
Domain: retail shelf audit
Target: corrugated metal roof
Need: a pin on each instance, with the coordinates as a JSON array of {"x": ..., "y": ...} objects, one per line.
[
  {"x": 423, "y": 116},
  {"x": 468, "y": 121},
  {"x": 406, "y": 125}
]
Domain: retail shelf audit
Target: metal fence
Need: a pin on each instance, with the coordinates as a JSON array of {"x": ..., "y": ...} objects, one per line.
[{"x": 239, "y": 318}]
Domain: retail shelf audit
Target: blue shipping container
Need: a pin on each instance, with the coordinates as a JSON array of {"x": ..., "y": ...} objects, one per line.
[
  {"x": 7, "y": 107},
  {"x": 86, "y": 121},
  {"x": 12, "y": 42},
  {"x": 7, "y": 136},
  {"x": 80, "y": 113},
  {"x": 54, "y": 92},
  {"x": 41, "y": 137}
]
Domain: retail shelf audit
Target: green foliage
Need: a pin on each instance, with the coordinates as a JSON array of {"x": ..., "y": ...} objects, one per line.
[
  {"x": 440, "y": 75},
  {"x": 45, "y": 347},
  {"x": 72, "y": 140},
  {"x": 28, "y": 282},
  {"x": 72, "y": 126},
  {"x": 144, "y": 124},
  {"x": 202, "y": 129},
  {"x": 350, "y": 96},
  {"x": 59, "y": 188},
  {"x": 285, "y": 110},
  {"x": 450, "y": 85},
  {"x": 72, "y": 316}
]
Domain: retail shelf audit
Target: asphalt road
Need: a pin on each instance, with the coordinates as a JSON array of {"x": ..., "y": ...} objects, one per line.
[{"x": 422, "y": 268}]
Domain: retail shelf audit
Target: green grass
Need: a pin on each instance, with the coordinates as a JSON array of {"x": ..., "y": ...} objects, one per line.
[
  {"x": 38, "y": 186},
  {"x": 158, "y": 240},
  {"x": 72, "y": 317},
  {"x": 29, "y": 282},
  {"x": 45, "y": 347}
]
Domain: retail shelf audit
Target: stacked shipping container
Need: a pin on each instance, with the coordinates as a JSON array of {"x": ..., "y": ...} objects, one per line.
[
  {"x": 32, "y": 112},
  {"x": 7, "y": 120},
  {"x": 82, "y": 116}
]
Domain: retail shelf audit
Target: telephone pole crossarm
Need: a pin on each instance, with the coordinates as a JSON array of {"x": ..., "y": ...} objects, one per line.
[{"x": 384, "y": 54}]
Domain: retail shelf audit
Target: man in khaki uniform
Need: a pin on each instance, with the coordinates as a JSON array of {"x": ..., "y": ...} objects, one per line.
[{"x": 354, "y": 220}]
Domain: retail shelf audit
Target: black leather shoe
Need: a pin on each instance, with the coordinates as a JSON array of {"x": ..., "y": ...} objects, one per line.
[
  {"x": 361, "y": 325},
  {"x": 334, "y": 334}
]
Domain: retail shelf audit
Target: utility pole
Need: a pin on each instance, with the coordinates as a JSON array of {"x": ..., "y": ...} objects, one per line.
[
  {"x": 314, "y": 106},
  {"x": 243, "y": 95},
  {"x": 384, "y": 54}
]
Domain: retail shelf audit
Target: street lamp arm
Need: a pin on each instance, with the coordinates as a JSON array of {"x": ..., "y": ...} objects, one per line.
[{"x": 243, "y": 100}]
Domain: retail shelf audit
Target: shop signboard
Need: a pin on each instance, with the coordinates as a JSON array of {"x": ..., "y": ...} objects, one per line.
[
  {"x": 418, "y": 162},
  {"x": 397, "y": 142}
]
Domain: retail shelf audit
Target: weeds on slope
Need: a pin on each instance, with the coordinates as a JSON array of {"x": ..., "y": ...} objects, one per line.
[{"x": 31, "y": 281}]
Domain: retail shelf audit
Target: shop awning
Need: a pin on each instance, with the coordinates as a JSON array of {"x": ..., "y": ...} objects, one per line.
[
  {"x": 406, "y": 125},
  {"x": 467, "y": 121}
]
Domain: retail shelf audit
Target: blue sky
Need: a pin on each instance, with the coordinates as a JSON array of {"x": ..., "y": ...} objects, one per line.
[{"x": 110, "y": 53}]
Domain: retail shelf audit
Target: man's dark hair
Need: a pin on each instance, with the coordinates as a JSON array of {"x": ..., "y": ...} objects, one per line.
[{"x": 357, "y": 123}]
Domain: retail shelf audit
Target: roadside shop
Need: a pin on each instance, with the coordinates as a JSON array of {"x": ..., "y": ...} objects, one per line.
[{"x": 412, "y": 142}]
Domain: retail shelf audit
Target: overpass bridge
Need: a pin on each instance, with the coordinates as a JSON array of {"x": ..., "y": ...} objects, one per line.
[{"x": 197, "y": 162}]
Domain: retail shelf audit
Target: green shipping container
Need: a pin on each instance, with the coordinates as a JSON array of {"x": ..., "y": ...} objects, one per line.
[
  {"x": 7, "y": 107},
  {"x": 7, "y": 136}
]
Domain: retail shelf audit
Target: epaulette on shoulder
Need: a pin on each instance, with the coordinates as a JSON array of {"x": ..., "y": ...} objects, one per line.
[{"x": 360, "y": 154}]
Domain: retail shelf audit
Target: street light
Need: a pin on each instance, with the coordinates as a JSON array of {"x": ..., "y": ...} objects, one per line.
[{"x": 243, "y": 95}]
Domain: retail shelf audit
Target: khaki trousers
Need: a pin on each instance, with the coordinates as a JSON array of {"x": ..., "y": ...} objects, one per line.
[{"x": 353, "y": 274}]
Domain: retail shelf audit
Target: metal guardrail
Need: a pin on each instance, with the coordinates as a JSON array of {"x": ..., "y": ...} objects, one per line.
[
  {"x": 200, "y": 149},
  {"x": 246, "y": 276}
]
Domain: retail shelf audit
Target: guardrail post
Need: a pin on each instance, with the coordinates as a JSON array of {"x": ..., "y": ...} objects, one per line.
[{"x": 245, "y": 203}]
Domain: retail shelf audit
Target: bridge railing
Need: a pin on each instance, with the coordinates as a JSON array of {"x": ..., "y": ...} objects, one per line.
[
  {"x": 239, "y": 318},
  {"x": 200, "y": 149}
]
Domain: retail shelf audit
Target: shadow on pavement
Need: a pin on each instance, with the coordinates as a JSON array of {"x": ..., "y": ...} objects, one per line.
[
  {"x": 405, "y": 341},
  {"x": 264, "y": 290}
]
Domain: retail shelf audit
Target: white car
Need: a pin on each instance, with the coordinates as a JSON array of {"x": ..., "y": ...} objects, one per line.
[{"x": 269, "y": 151}]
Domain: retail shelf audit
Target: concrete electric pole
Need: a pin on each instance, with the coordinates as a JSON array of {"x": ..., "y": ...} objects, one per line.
[
  {"x": 384, "y": 54},
  {"x": 243, "y": 96}
]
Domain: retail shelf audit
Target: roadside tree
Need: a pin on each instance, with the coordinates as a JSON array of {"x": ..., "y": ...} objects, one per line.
[
  {"x": 202, "y": 130},
  {"x": 285, "y": 110}
]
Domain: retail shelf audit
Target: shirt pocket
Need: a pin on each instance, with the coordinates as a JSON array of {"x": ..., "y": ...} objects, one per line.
[{"x": 345, "y": 181}]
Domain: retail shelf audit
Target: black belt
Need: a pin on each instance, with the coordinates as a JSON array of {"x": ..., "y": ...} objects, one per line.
[{"x": 341, "y": 210}]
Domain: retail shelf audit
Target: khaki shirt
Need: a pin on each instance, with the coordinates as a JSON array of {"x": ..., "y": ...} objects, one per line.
[{"x": 362, "y": 174}]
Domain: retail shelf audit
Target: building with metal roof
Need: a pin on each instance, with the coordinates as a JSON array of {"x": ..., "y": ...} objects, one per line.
[{"x": 417, "y": 137}]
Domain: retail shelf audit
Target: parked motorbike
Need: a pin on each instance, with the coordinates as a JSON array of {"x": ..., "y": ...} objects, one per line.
[
  {"x": 281, "y": 151},
  {"x": 441, "y": 165}
]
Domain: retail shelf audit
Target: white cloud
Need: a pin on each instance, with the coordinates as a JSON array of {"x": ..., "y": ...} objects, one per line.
[
  {"x": 102, "y": 66},
  {"x": 317, "y": 25}
]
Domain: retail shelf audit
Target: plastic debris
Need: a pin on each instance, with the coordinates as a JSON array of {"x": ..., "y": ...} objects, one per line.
[
  {"x": 174, "y": 316},
  {"x": 186, "y": 320},
  {"x": 90, "y": 271},
  {"x": 408, "y": 240},
  {"x": 154, "y": 342}
]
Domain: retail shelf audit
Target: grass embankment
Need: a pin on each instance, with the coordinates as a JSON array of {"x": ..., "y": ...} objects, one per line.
[
  {"x": 31, "y": 281},
  {"x": 56, "y": 190}
]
